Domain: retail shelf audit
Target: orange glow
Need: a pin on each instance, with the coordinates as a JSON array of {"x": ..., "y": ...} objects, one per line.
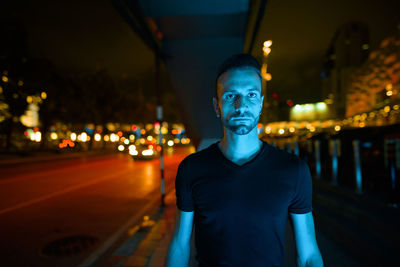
[
  {"x": 119, "y": 133},
  {"x": 143, "y": 131},
  {"x": 134, "y": 128},
  {"x": 158, "y": 148},
  {"x": 123, "y": 139},
  {"x": 259, "y": 125},
  {"x": 150, "y": 147},
  {"x": 174, "y": 131}
]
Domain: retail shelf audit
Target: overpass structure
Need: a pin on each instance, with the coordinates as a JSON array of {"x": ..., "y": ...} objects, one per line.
[{"x": 192, "y": 38}]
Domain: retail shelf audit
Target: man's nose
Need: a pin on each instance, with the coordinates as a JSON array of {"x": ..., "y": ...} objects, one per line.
[{"x": 240, "y": 102}]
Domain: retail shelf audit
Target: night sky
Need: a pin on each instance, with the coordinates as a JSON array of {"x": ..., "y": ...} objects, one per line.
[{"x": 85, "y": 35}]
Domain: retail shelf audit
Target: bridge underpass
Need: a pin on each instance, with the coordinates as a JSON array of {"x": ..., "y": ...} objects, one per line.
[{"x": 192, "y": 38}]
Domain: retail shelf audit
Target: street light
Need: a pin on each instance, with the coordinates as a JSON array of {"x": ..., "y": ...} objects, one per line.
[
  {"x": 266, "y": 77},
  {"x": 267, "y": 43}
]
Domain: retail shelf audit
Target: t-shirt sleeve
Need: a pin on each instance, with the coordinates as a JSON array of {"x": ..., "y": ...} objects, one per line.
[
  {"x": 302, "y": 199},
  {"x": 184, "y": 200}
]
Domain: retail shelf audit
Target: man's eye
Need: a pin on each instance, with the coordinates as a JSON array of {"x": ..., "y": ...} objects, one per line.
[
  {"x": 252, "y": 94},
  {"x": 229, "y": 96}
]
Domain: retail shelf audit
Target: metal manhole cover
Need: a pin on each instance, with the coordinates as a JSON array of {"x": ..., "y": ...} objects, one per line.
[{"x": 69, "y": 246}]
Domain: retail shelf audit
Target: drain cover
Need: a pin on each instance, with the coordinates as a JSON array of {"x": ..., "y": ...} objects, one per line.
[{"x": 69, "y": 246}]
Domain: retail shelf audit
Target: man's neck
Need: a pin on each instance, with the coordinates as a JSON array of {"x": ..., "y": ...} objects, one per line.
[{"x": 240, "y": 148}]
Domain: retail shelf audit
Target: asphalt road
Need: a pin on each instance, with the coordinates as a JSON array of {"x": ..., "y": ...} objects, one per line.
[{"x": 57, "y": 213}]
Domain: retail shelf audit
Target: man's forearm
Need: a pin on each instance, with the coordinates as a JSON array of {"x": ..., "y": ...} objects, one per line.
[{"x": 178, "y": 256}]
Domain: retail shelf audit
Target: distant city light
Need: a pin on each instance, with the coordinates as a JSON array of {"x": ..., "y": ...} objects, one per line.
[
  {"x": 114, "y": 137},
  {"x": 29, "y": 99},
  {"x": 43, "y": 95},
  {"x": 150, "y": 138},
  {"x": 386, "y": 109},
  {"x": 53, "y": 136},
  {"x": 83, "y": 137},
  {"x": 142, "y": 141},
  {"x": 281, "y": 131},
  {"x": 132, "y": 137},
  {"x": 170, "y": 143},
  {"x": 20, "y": 83},
  {"x": 292, "y": 129},
  {"x": 132, "y": 147},
  {"x": 126, "y": 141},
  {"x": 365, "y": 46},
  {"x": 337, "y": 128},
  {"x": 121, "y": 148},
  {"x": 5, "y": 79},
  {"x": 268, "y": 129},
  {"x": 106, "y": 138},
  {"x": 389, "y": 93},
  {"x": 176, "y": 140},
  {"x": 73, "y": 136},
  {"x": 97, "y": 137},
  {"x": 38, "y": 136},
  {"x": 143, "y": 131}
]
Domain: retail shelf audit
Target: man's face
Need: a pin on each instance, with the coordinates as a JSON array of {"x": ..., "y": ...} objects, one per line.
[{"x": 239, "y": 100}]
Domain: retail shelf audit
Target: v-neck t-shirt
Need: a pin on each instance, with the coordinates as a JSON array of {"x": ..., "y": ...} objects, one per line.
[{"x": 240, "y": 211}]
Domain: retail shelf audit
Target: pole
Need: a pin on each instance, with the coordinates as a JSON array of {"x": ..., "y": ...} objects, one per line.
[
  {"x": 357, "y": 166},
  {"x": 334, "y": 144},
  {"x": 160, "y": 119},
  {"x": 317, "y": 145}
]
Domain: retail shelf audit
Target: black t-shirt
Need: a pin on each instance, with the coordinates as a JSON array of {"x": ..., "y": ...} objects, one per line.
[{"x": 241, "y": 210}]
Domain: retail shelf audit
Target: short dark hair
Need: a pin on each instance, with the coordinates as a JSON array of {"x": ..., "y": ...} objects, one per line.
[{"x": 237, "y": 61}]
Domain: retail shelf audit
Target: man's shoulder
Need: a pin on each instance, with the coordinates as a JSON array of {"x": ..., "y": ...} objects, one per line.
[
  {"x": 200, "y": 157},
  {"x": 282, "y": 157}
]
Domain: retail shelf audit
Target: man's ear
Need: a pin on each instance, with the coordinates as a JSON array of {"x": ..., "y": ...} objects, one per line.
[{"x": 215, "y": 105}]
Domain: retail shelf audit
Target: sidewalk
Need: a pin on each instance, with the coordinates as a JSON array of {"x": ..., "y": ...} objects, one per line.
[{"x": 149, "y": 243}]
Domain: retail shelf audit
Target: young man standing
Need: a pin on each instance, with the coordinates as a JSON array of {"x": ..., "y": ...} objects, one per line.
[{"x": 239, "y": 192}]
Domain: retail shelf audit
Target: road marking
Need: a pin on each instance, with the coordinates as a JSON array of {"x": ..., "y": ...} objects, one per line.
[
  {"x": 67, "y": 190},
  {"x": 36, "y": 174}
]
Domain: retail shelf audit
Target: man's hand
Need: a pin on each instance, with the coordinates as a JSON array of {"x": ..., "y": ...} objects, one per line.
[{"x": 308, "y": 253}]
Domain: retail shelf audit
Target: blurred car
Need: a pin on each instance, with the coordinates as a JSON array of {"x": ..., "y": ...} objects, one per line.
[{"x": 143, "y": 151}]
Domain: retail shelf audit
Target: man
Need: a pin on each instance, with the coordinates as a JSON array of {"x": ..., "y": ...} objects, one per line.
[{"x": 240, "y": 191}]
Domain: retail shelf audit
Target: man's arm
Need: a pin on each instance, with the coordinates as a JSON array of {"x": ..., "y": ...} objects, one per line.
[
  {"x": 179, "y": 249},
  {"x": 308, "y": 253}
]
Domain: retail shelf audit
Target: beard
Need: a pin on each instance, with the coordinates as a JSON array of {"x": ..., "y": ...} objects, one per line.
[{"x": 241, "y": 127}]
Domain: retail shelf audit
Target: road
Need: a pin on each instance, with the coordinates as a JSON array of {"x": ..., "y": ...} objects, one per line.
[{"x": 57, "y": 213}]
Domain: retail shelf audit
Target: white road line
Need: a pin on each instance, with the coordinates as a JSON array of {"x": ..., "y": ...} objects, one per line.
[{"x": 66, "y": 190}]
